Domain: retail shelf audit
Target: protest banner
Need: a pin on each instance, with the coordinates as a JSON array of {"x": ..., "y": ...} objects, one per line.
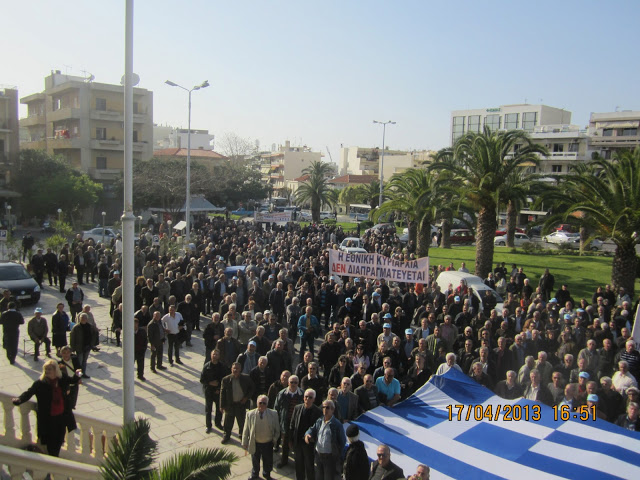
[
  {"x": 374, "y": 265},
  {"x": 273, "y": 217}
]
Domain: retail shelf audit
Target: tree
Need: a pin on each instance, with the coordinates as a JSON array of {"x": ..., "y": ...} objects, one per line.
[
  {"x": 416, "y": 194},
  {"x": 517, "y": 187},
  {"x": 133, "y": 453},
  {"x": 235, "y": 182},
  {"x": 349, "y": 195},
  {"x": 370, "y": 193},
  {"x": 316, "y": 191},
  {"x": 483, "y": 162},
  {"x": 47, "y": 183},
  {"x": 235, "y": 147},
  {"x": 604, "y": 197}
]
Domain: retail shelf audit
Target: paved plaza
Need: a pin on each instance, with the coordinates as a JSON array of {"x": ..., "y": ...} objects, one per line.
[{"x": 172, "y": 400}]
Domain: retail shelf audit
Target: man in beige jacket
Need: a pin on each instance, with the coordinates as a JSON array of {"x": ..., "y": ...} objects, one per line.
[{"x": 261, "y": 430}]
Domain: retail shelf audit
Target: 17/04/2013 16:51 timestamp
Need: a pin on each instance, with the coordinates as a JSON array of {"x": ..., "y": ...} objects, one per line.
[{"x": 517, "y": 413}]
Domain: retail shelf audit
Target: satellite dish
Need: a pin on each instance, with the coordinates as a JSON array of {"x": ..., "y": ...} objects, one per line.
[{"x": 136, "y": 79}]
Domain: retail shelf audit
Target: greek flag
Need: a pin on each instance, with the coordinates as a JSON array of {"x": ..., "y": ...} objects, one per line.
[{"x": 420, "y": 430}]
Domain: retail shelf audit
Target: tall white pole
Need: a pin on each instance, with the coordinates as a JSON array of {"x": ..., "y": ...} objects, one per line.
[
  {"x": 128, "y": 226},
  {"x": 384, "y": 131},
  {"x": 188, "y": 203}
]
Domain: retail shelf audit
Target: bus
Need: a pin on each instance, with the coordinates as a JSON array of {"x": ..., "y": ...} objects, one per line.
[{"x": 359, "y": 211}]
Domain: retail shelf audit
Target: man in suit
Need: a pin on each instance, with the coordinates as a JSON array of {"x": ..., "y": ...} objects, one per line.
[
  {"x": 347, "y": 402},
  {"x": 235, "y": 393},
  {"x": 261, "y": 430},
  {"x": 536, "y": 391},
  {"x": 11, "y": 321},
  {"x": 367, "y": 394},
  {"x": 304, "y": 416}
]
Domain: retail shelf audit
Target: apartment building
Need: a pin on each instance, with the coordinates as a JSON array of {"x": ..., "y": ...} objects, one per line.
[
  {"x": 612, "y": 131},
  {"x": 286, "y": 164},
  {"x": 83, "y": 121},
  {"x": 165, "y": 136},
  {"x": 9, "y": 135},
  {"x": 567, "y": 146},
  {"x": 506, "y": 117}
]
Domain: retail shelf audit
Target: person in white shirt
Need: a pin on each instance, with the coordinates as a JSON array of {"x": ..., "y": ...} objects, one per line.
[
  {"x": 450, "y": 363},
  {"x": 172, "y": 323}
]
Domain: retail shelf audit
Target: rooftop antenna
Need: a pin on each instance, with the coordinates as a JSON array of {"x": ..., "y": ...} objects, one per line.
[{"x": 67, "y": 68}]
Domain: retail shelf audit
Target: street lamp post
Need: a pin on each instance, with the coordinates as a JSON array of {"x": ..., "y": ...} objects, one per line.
[
  {"x": 104, "y": 215},
  {"x": 384, "y": 130},
  {"x": 59, "y": 215},
  {"x": 187, "y": 208}
]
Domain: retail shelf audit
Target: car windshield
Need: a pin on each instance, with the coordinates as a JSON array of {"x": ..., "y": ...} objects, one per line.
[{"x": 13, "y": 272}]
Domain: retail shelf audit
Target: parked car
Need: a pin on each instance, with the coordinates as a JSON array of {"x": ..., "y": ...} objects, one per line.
[
  {"x": 14, "y": 277},
  {"x": 95, "y": 234},
  {"x": 462, "y": 236},
  {"x": 535, "y": 231},
  {"x": 243, "y": 212},
  {"x": 519, "y": 239},
  {"x": 560, "y": 237},
  {"x": 478, "y": 285},
  {"x": 500, "y": 233},
  {"x": 326, "y": 215},
  {"x": 594, "y": 245},
  {"x": 48, "y": 228},
  {"x": 382, "y": 228},
  {"x": 359, "y": 217},
  {"x": 349, "y": 243}
]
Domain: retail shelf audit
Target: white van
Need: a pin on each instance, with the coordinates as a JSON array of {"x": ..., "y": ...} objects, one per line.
[{"x": 479, "y": 288}]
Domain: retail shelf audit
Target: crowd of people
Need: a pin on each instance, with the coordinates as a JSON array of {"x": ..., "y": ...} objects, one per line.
[{"x": 292, "y": 352}]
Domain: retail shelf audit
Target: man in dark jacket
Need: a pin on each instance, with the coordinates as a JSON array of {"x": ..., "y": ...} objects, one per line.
[
  {"x": 390, "y": 470},
  {"x": 304, "y": 416},
  {"x": 234, "y": 401},
  {"x": 11, "y": 321},
  {"x": 211, "y": 379},
  {"x": 356, "y": 461}
]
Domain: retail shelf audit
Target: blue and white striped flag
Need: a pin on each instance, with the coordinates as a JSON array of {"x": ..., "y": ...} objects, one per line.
[{"x": 425, "y": 429}]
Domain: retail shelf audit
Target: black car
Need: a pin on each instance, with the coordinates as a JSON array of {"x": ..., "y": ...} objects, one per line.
[{"x": 14, "y": 277}]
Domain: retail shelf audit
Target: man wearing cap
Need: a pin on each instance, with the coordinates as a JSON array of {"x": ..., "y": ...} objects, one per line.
[
  {"x": 11, "y": 319},
  {"x": 386, "y": 336},
  {"x": 346, "y": 310},
  {"x": 308, "y": 329},
  {"x": 249, "y": 358},
  {"x": 38, "y": 330},
  {"x": 261, "y": 431},
  {"x": 356, "y": 460}
]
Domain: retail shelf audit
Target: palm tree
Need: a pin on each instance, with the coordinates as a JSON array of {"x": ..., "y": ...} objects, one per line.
[
  {"x": 316, "y": 190},
  {"x": 370, "y": 193},
  {"x": 483, "y": 162},
  {"x": 349, "y": 195},
  {"x": 416, "y": 195},
  {"x": 517, "y": 187},
  {"x": 605, "y": 196},
  {"x": 133, "y": 453}
]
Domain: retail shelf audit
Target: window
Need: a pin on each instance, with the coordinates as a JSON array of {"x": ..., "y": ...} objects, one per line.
[
  {"x": 56, "y": 104},
  {"x": 101, "y": 163},
  {"x": 511, "y": 121},
  {"x": 474, "y": 123},
  {"x": 529, "y": 120},
  {"x": 558, "y": 148},
  {"x": 101, "y": 133},
  {"x": 458, "y": 128},
  {"x": 101, "y": 104},
  {"x": 630, "y": 132},
  {"x": 492, "y": 121},
  {"x": 556, "y": 168},
  {"x": 135, "y": 107},
  {"x": 573, "y": 147},
  {"x": 135, "y": 135},
  {"x": 607, "y": 132}
]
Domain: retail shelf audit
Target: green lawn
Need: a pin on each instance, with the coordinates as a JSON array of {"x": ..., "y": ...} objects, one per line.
[{"x": 582, "y": 273}]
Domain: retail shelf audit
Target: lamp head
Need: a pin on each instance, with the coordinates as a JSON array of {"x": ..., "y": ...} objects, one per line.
[{"x": 169, "y": 82}]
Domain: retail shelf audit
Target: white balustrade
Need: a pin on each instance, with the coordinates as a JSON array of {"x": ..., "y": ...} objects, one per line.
[
  {"x": 88, "y": 444},
  {"x": 22, "y": 464}
]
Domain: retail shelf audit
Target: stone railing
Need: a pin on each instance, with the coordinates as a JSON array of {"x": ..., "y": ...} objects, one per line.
[
  {"x": 20, "y": 464},
  {"x": 87, "y": 444}
]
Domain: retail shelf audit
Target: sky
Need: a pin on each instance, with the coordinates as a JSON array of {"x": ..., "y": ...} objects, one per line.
[{"x": 318, "y": 73}]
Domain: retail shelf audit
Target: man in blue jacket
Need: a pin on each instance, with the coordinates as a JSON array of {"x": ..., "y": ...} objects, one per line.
[
  {"x": 308, "y": 330},
  {"x": 328, "y": 435}
]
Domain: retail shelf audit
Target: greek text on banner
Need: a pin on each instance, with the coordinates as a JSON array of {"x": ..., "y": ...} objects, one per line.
[{"x": 374, "y": 265}]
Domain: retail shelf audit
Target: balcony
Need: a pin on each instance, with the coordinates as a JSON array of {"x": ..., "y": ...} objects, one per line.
[
  {"x": 32, "y": 120},
  {"x": 105, "y": 174},
  {"x": 87, "y": 444},
  {"x": 61, "y": 142},
  {"x": 97, "y": 144},
  {"x": 63, "y": 114},
  {"x": 35, "y": 145},
  {"x": 624, "y": 142},
  {"x": 562, "y": 156},
  {"x": 108, "y": 115}
]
